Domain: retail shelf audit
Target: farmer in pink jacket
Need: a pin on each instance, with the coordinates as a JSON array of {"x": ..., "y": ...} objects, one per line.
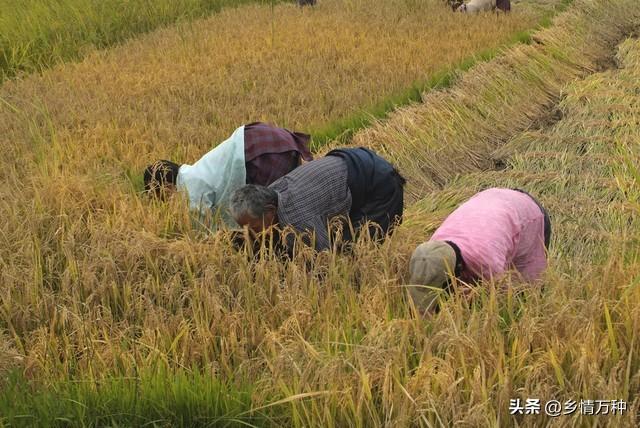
[{"x": 495, "y": 231}]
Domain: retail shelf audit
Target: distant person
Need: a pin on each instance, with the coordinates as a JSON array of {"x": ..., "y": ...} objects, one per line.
[
  {"x": 351, "y": 184},
  {"x": 257, "y": 153},
  {"x": 454, "y": 4},
  {"x": 475, "y": 6},
  {"x": 503, "y": 5},
  {"x": 494, "y": 231}
]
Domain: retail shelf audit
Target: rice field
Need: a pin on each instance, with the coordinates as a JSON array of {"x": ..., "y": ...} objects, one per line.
[
  {"x": 174, "y": 93},
  {"x": 114, "y": 311},
  {"x": 38, "y": 34}
]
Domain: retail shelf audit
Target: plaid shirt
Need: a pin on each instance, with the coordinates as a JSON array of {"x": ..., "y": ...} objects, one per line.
[
  {"x": 271, "y": 152},
  {"x": 312, "y": 195}
]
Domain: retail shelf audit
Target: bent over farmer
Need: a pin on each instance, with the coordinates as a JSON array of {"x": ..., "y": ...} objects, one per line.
[
  {"x": 474, "y": 6},
  {"x": 257, "y": 153},
  {"x": 494, "y": 231},
  {"x": 351, "y": 184}
]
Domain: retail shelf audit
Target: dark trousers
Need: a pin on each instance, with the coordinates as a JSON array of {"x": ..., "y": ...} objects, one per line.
[
  {"x": 547, "y": 219},
  {"x": 384, "y": 210},
  {"x": 377, "y": 192},
  {"x": 503, "y": 5}
]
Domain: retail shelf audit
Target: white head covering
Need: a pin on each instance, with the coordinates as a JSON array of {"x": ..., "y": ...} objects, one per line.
[
  {"x": 430, "y": 263},
  {"x": 477, "y": 6},
  {"x": 210, "y": 182}
]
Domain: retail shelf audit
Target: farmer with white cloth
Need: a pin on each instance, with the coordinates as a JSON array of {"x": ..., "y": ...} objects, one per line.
[
  {"x": 257, "y": 153},
  {"x": 474, "y": 6},
  {"x": 493, "y": 232}
]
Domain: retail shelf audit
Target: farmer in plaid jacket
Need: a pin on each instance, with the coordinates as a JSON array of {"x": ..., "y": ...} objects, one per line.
[{"x": 351, "y": 188}]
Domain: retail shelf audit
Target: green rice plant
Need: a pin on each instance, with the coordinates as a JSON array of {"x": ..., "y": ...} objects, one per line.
[{"x": 160, "y": 398}]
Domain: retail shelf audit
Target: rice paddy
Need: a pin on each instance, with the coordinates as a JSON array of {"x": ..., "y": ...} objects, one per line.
[
  {"x": 38, "y": 34},
  {"x": 114, "y": 311},
  {"x": 175, "y": 92}
]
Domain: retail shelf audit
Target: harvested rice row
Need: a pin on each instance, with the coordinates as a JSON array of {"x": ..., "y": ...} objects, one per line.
[{"x": 455, "y": 131}]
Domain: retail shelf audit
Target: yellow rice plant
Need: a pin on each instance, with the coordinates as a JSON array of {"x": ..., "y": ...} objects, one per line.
[
  {"x": 98, "y": 282},
  {"x": 177, "y": 92}
]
